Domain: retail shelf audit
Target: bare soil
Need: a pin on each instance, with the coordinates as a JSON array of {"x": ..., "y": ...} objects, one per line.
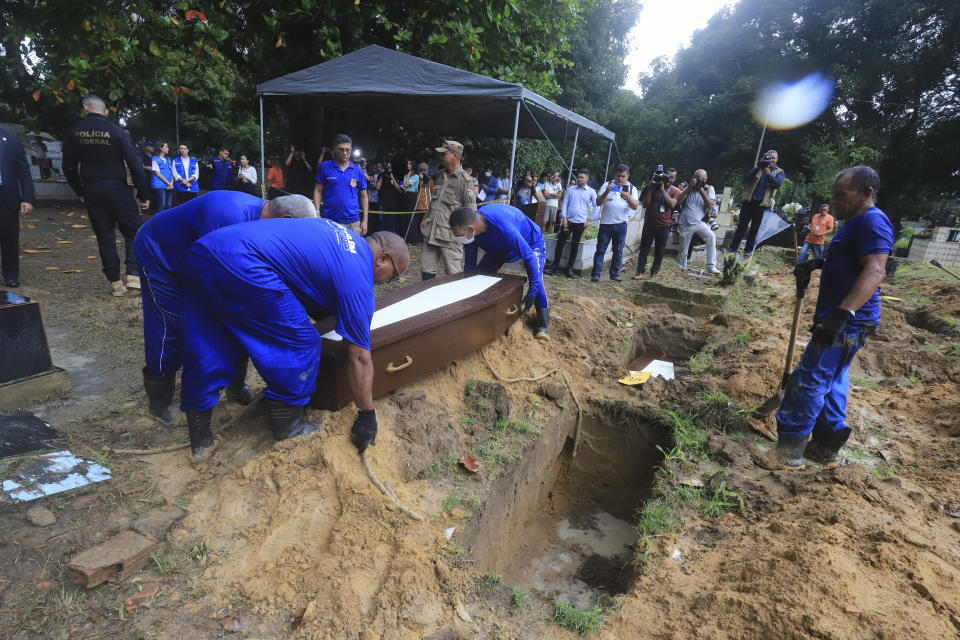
[{"x": 271, "y": 534}]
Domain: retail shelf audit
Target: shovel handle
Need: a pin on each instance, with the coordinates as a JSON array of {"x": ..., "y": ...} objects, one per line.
[{"x": 937, "y": 264}]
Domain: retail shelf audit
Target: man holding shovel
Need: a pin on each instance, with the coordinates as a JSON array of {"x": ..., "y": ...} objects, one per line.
[{"x": 848, "y": 310}]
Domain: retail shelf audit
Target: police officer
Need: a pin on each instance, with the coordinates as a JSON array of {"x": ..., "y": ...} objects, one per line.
[
  {"x": 252, "y": 288},
  {"x": 100, "y": 148},
  {"x": 161, "y": 245},
  {"x": 452, "y": 188}
]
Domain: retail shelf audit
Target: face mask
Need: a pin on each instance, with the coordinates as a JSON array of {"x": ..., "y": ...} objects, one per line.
[
  {"x": 464, "y": 239},
  {"x": 488, "y": 173}
]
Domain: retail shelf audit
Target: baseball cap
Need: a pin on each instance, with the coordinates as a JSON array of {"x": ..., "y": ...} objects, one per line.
[
  {"x": 148, "y": 143},
  {"x": 451, "y": 146}
]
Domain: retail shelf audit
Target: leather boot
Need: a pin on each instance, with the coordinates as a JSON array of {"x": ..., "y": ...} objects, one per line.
[
  {"x": 160, "y": 394},
  {"x": 543, "y": 324},
  {"x": 286, "y": 420},
  {"x": 826, "y": 449},
  {"x": 238, "y": 391},
  {"x": 201, "y": 437},
  {"x": 788, "y": 454}
]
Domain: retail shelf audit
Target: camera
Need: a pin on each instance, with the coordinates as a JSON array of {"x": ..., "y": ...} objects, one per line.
[
  {"x": 660, "y": 175},
  {"x": 765, "y": 161}
]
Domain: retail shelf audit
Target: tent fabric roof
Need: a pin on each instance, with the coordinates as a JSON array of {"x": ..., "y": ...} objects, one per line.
[{"x": 391, "y": 85}]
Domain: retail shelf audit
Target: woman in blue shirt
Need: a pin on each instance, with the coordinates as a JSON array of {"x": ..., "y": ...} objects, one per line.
[{"x": 162, "y": 180}]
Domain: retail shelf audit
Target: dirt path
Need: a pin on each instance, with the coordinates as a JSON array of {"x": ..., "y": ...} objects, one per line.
[{"x": 719, "y": 547}]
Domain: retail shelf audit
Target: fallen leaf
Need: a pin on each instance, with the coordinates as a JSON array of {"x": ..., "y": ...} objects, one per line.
[
  {"x": 79, "y": 226},
  {"x": 233, "y": 622},
  {"x": 72, "y": 271},
  {"x": 31, "y": 226},
  {"x": 37, "y": 250},
  {"x": 470, "y": 463},
  {"x": 64, "y": 242},
  {"x": 52, "y": 268},
  {"x": 852, "y": 610},
  {"x": 91, "y": 257},
  {"x": 71, "y": 214},
  {"x": 46, "y": 584},
  {"x": 42, "y": 247},
  {"x": 144, "y": 598},
  {"x": 297, "y": 618}
]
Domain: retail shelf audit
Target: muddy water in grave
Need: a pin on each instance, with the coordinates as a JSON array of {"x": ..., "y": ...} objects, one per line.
[{"x": 573, "y": 530}]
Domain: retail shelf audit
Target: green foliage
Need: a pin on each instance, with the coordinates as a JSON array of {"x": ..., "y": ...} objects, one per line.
[
  {"x": 723, "y": 501},
  {"x": 656, "y": 517},
  {"x": 827, "y": 155},
  {"x": 864, "y": 383},
  {"x": 489, "y": 579},
  {"x": 518, "y": 597},
  {"x": 903, "y": 238},
  {"x": 700, "y": 362},
  {"x": 883, "y": 470},
  {"x": 582, "y": 622},
  {"x": 689, "y": 440}
]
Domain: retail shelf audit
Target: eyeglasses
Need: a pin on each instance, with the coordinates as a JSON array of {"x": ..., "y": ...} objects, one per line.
[
  {"x": 343, "y": 149},
  {"x": 396, "y": 272}
]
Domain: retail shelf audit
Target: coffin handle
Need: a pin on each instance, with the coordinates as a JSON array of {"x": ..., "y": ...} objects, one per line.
[
  {"x": 407, "y": 361},
  {"x": 513, "y": 310}
]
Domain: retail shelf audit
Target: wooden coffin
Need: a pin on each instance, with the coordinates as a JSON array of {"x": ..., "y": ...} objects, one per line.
[{"x": 405, "y": 347}]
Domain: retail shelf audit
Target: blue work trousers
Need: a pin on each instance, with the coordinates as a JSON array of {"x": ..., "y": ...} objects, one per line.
[
  {"x": 617, "y": 233},
  {"x": 815, "y": 399},
  {"x": 162, "y": 295},
  {"x": 226, "y": 315},
  {"x": 817, "y": 251},
  {"x": 492, "y": 263}
]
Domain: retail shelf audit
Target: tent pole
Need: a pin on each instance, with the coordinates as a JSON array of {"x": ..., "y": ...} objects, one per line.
[
  {"x": 513, "y": 151},
  {"x": 576, "y": 135},
  {"x": 607, "y": 170},
  {"x": 263, "y": 167}
]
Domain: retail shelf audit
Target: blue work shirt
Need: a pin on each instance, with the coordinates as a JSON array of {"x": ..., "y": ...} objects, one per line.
[
  {"x": 510, "y": 236},
  {"x": 166, "y": 238},
  {"x": 325, "y": 265},
  {"x": 341, "y": 188},
  {"x": 222, "y": 177},
  {"x": 864, "y": 235},
  {"x": 765, "y": 181}
]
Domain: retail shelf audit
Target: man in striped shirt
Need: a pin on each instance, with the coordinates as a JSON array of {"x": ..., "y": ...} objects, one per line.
[{"x": 579, "y": 202}]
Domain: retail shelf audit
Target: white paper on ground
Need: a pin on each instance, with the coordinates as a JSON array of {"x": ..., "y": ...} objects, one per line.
[
  {"x": 426, "y": 301},
  {"x": 660, "y": 368},
  {"x": 53, "y": 473}
]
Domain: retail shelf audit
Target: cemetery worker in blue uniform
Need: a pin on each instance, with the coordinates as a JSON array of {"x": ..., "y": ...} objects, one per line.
[
  {"x": 221, "y": 167},
  {"x": 161, "y": 247},
  {"x": 847, "y": 312},
  {"x": 505, "y": 234},
  {"x": 96, "y": 156},
  {"x": 253, "y": 288}
]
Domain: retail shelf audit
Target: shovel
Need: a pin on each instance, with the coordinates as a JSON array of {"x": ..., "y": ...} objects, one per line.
[
  {"x": 937, "y": 264},
  {"x": 774, "y": 401}
]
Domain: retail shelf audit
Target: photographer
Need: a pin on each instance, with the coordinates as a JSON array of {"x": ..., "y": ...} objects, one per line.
[
  {"x": 762, "y": 184},
  {"x": 299, "y": 173},
  {"x": 659, "y": 198},
  {"x": 694, "y": 201},
  {"x": 617, "y": 201}
]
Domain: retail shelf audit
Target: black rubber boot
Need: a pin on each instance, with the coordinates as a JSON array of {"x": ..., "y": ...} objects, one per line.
[
  {"x": 826, "y": 449},
  {"x": 160, "y": 394},
  {"x": 552, "y": 269},
  {"x": 570, "y": 273},
  {"x": 788, "y": 454},
  {"x": 201, "y": 437},
  {"x": 427, "y": 276},
  {"x": 543, "y": 324},
  {"x": 286, "y": 421},
  {"x": 238, "y": 391}
]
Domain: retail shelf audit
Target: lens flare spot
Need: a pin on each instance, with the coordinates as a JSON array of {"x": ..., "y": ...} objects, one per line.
[{"x": 787, "y": 106}]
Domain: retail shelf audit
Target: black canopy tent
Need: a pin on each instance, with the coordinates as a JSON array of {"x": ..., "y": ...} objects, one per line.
[{"x": 433, "y": 96}]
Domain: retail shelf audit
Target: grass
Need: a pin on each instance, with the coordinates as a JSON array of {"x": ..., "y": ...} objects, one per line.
[
  {"x": 951, "y": 321},
  {"x": 165, "y": 562},
  {"x": 723, "y": 501},
  {"x": 654, "y": 518},
  {"x": 689, "y": 440},
  {"x": 883, "y": 470},
  {"x": 583, "y": 622},
  {"x": 719, "y": 408},
  {"x": 916, "y": 380},
  {"x": 863, "y": 383},
  {"x": 518, "y": 597},
  {"x": 452, "y": 501},
  {"x": 700, "y": 362},
  {"x": 742, "y": 338},
  {"x": 437, "y": 467},
  {"x": 493, "y": 455},
  {"x": 489, "y": 580}
]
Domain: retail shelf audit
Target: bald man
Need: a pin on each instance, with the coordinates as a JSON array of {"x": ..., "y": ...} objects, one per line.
[
  {"x": 253, "y": 288},
  {"x": 161, "y": 247}
]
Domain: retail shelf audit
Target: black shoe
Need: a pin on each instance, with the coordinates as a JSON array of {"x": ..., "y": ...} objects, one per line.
[
  {"x": 286, "y": 420},
  {"x": 160, "y": 394},
  {"x": 570, "y": 273},
  {"x": 616, "y": 278},
  {"x": 12, "y": 281},
  {"x": 201, "y": 437},
  {"x": 238, "y": 391},
  {"x": 543, "y": 324},
  {"x": 826, "y": 450},
  {"x": 552, "y": 269},
  {"x": 594, "y": 279}
]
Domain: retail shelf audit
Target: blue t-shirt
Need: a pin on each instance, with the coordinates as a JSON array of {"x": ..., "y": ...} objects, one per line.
[
  {"x": 510, "y": 236},
  {"x": 163, "y": 241},
  {"x": 222, "y": 176},
  {"x": 325, "y": 265},
  {"x": 341, "y": 189},
  {"x": 165, "y": 166},
  {"x": 866, "y": 234}
]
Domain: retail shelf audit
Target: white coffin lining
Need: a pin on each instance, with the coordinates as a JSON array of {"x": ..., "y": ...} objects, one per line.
[{"x": 426, "y": 301}]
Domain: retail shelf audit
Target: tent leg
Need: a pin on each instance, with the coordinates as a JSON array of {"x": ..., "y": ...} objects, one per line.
[
  {"x": 263, "y": 167},
  {"x": 576, "y": 135},
  {"x": 606, "y": 171},
  {"x": 513, "y": 151}
]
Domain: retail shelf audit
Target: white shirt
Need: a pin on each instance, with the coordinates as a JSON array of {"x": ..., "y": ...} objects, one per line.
[
  {"x": 551, "y": 192},
  {"x": 250, "y": 173},
  {"x": 693, "y": 208},
  {"x": 186, "y": 167},
  {"x": 616, "y": 210},
  {"x": 578, "y": 203}
]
